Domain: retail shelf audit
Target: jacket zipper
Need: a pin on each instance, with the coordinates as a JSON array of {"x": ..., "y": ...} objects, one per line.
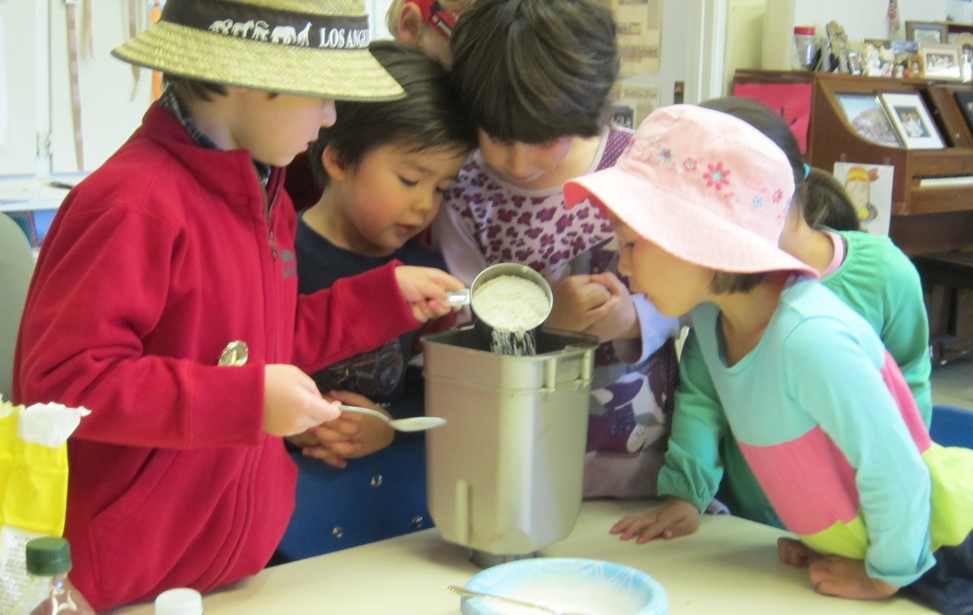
[{"x": 272, "y": 197}]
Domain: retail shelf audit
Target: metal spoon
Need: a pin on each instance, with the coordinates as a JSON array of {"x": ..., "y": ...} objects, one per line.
[
  {"x": 416, "y": 423},
  {"x": 469, "y": 593}
]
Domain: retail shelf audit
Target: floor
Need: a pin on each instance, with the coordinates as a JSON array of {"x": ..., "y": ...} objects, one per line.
[{"x": 952, "y": 384}]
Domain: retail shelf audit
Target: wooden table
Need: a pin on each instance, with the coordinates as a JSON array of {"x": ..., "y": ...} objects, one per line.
[{"x": 730, "y": 566}]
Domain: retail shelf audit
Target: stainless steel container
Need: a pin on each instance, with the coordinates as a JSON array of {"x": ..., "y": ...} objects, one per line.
[
  {"x": 505, "y": 473},
  {"x": 482, "y": 327}
]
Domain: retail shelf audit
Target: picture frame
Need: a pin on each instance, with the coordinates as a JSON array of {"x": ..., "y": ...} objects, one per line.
[
  {"x": 869, "y": 118},
  {"x": 942, "y": 62},
  {"x": 878, "y": 58},
  {"x": 911, "y": 120},
  {"x": 927, "y": 32},
  {"x": 965, "y": 102}
]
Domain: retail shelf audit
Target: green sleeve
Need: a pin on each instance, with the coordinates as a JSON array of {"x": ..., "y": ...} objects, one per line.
[
  {"x": 693, "y": 469},
  {"x": 905, "y": 331}
]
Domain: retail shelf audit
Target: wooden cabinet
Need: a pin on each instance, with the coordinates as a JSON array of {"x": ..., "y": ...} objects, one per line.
[{"x": 932, "y": 210}]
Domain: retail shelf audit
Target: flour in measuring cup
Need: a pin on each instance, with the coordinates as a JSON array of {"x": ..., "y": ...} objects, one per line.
[{"x": 512, "y": 306}]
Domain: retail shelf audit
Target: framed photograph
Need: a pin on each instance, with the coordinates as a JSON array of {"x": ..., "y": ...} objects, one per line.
[
  {"x": 927, "y": 32},
  {"x": 868, "y": 117},
  {"x": 878, "y": 59},
  {"x": 965, "y": 101},
  {"x": 941, "y": 62},
  {"x": 912, "y": 120},
  {"x": 623, "y": 115}
]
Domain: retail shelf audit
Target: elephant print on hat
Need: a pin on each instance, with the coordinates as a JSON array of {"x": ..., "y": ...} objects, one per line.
[{"x": 284, "y": 35}]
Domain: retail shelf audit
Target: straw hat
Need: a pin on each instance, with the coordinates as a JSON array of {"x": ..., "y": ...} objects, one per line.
[{"x": 307, "y": 47}]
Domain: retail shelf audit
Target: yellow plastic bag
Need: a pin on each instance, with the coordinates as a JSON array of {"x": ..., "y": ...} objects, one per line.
[
  {"x": 33, "y": 480},
  {"x": 33, "y": 484}
]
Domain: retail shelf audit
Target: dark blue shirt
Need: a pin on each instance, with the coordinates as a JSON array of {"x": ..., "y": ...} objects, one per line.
[{"x": 381, "y": 375}]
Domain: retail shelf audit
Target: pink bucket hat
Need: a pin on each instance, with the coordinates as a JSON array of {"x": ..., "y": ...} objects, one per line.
[{"x": 704, "y": 186}]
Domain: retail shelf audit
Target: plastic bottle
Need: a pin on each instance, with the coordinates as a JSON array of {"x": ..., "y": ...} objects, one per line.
[
  {"x": 182, "y": 601},
  {"x": 805, "y": 48},
  {"x": 48, "y": 590}
]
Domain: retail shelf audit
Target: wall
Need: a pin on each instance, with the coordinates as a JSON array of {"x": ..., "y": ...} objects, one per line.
[
  {"x": 860, "y": 18},
  {"x": 864, "y": 18},
  {"x": 744, "y": 37}
]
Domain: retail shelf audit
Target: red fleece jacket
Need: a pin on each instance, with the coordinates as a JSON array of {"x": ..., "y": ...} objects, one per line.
[{"x": 152, "y": 266}]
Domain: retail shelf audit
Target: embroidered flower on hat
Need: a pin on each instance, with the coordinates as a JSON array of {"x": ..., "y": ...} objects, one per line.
[
  {"x": 717, "y": 176},
  {"x": 690, "y": 165},
  {"x": 665, "y": 155},
  {"x": 778, "y": 196},
  {"x": 758, "y": 201}
]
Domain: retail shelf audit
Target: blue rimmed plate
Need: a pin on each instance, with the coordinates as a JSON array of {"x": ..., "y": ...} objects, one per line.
[{"x": 567, "y": 585}]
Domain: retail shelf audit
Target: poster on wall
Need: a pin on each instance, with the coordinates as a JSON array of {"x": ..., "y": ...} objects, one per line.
[
  {"x": 639, "y": 24},
  {"x": 634, "y": 102},
  {"x": 792, "y": 101},
  {"x": 870, "y": 189}
]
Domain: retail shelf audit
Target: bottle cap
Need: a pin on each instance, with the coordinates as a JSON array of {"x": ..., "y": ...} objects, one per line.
[
  {"x": 181, "y": 601},
  {"x": 48, "y": 557},
  {"x": 805, "y": 30}
]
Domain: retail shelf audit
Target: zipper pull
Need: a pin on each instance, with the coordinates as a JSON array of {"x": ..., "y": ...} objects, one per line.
[{"x": 274, "y": 252}]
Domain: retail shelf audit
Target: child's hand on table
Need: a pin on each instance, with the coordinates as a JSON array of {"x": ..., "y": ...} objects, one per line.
[
  {"x": 618, "y": 319},
  {"x": 579, "y": 301},
  {"x": 351, "y": 436},
  {"x": 292, "y": 402},
  {"x": 673, "y": 519},
  {"x": 425, "y": 288},
  {"x": 833, "y": 575}
]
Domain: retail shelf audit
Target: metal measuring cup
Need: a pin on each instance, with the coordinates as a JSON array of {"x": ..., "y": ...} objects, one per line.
[{"x": 485, "y": 330}]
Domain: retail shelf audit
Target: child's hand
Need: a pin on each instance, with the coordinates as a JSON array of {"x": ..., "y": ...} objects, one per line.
[
  {"x": 292, "y": 402},
  {"x": 349, "y": 437},
  {"x": 832, "y": 575},
  {"x": 673, "y": 519},
  {"x": 374, "y": 434},
  {"x": 619, "y": 319},
  {"x": 425, "y": 289},
  {"x": 579, "y": 302}
]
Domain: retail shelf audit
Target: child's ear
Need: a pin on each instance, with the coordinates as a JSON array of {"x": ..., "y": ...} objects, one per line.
[
  {"x": 336, "y": 169},
  {"x": 410, "y": 24}
]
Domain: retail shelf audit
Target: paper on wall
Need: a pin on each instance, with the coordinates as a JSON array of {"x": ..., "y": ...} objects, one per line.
[{"x": 870, "y": 188}]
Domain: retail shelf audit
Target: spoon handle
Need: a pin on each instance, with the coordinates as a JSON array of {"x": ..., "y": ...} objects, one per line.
[
  {"x": 469, "y": 593},
  {"x": 365, "y": 411}
]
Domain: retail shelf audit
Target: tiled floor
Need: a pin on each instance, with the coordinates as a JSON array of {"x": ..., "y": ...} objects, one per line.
[{"x": 952, "y": 384}]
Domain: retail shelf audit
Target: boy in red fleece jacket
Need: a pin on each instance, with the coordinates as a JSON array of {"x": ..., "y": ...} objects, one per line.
[{"x": 165, "y": 300}]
